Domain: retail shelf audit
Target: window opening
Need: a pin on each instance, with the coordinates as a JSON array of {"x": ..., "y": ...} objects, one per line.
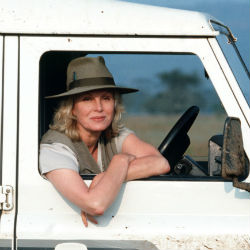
[{"x": 169, "y": 84}]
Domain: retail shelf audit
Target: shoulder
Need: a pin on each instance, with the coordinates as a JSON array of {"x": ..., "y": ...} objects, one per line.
[
  {"x": 53, "y": 136},
  {"x": 56, "y": 147},
  {"x": 119, "y": 140},
  {"x": 56, "y": 156},
  {"x": 135, "y": 146}
]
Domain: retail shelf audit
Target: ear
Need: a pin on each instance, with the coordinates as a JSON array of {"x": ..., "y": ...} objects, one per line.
[
  {"x": 73, "y": 114},
  {"x": 73, "y": 110}
]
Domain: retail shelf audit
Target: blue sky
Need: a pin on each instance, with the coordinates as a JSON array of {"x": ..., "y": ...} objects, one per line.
[
  {"x": 233, "y": 13},
  {"x": 137, "y": 71}
]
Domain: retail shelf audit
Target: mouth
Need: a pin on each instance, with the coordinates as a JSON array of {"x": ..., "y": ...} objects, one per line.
[{"x": 98, "y": 118}]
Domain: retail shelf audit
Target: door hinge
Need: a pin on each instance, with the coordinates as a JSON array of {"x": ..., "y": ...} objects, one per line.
[{"x": 6, "y": 198}]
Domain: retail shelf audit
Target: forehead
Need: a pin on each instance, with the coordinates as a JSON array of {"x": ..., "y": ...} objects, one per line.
[{"x": 98, "y": 92}]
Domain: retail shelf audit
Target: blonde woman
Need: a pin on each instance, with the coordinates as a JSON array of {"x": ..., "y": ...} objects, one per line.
[{"x": 86, "y": 137}]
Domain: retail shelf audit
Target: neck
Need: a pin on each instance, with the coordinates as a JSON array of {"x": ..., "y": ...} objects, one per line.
[
  {"x": 90, "y": 139},
  {"x": 92, "y": 146}
]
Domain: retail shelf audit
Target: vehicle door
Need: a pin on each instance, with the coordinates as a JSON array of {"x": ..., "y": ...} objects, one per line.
[{"x": 157, "y": 213}]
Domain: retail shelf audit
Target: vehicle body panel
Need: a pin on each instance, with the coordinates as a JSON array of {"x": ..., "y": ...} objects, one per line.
[
  {"x": 9, "y": 130},
  {"x": 187, "y": 205},
  {"x": 100, "y": 18}
]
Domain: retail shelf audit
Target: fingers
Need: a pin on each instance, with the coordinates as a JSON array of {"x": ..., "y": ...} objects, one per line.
[
  {"x": 131, "y": 158},
  {"x": 92, "y": 219},
  {"x": 86, "y": 217},
  {"x": 127, "y": 156}
]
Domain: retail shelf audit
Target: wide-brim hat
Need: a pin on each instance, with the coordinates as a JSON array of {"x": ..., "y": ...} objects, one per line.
[{"x": 89, "y": 73}]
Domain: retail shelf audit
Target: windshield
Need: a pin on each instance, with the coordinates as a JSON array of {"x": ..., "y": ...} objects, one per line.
[{"x": 235, "y": 60}]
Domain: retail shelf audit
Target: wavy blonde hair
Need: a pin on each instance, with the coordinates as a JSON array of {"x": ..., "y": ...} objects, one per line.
[{"x": 65, "y": 122}]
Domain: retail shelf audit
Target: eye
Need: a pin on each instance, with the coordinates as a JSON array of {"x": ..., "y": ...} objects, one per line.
[
  {"x": 86, "y": 98},
  {"x": 107, "y": 97}
]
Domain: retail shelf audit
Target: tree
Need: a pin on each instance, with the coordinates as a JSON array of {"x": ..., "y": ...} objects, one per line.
[{"x": 180, "y": 91}]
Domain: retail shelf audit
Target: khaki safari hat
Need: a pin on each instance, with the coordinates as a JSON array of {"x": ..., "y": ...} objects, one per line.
[{"x": 89, "y": 73}]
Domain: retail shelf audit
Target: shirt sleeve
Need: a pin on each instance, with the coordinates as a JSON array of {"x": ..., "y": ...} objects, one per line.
[
  {"x": 124, "y": 132},
  {"x": 56, "y": 156}
]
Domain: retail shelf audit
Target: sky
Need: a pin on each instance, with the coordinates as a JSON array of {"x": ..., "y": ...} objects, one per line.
[{"x": 233, "y": 13}]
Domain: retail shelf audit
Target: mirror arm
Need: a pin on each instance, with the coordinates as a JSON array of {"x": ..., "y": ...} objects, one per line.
[{"x": 241, "y": 185}]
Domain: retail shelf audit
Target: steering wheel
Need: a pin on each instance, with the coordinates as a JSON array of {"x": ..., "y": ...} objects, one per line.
[{"x": 177, "y": 141}]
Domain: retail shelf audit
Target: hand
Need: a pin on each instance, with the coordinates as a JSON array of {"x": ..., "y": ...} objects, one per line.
[
  {"x": 130, "y": 157},
  {"x": 85, "y": 218},
  {"x": 123, "y": 158}
]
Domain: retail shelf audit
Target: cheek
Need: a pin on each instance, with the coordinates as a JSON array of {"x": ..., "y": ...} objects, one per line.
[
  {"x": 79, "y": 110},
  {"x": 111, "y": 109}
]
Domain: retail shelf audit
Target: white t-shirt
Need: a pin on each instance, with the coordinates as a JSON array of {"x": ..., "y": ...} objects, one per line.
[{"x": 57, "y": 155}]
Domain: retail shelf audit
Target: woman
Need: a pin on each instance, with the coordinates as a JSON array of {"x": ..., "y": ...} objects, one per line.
[{"x": 86, "y": 137}]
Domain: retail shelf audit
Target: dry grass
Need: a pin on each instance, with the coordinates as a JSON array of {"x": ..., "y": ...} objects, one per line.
[{"x": 154, "y": 128}]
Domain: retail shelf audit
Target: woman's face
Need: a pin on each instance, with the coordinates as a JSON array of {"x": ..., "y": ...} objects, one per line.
[{"x": 94, "y": 110}]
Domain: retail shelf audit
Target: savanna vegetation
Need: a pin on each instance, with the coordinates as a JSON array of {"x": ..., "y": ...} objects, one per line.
[{"x": 178, "y": 91}]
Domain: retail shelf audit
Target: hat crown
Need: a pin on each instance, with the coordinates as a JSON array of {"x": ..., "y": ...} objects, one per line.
[
  {"x": 86, "y": 67},
  {"x": 87, "y": 74}
]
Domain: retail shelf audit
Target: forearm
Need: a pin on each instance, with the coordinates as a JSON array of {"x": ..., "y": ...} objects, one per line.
[
  {"x": 147, "y": 166},
  {"x": 148, "y": 160},
  {"x": 105, "y": 190},
  {"x": 93, "y": 200}
]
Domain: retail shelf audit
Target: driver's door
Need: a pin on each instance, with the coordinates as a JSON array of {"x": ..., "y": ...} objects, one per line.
[{"x": 156, "y": 213}]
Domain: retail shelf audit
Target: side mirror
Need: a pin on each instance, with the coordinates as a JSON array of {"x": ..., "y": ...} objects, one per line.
[{"x": 234, "y": 160}]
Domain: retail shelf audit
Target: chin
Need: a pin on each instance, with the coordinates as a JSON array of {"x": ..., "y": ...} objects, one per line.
[{"x": 99, "y": 128}]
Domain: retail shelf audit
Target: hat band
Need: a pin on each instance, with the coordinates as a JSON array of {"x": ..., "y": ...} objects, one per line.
[{"x": 95, "y": 81}]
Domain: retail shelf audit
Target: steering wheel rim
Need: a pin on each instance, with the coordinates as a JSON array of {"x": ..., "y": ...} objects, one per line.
[{"x": 177, "y": 141}]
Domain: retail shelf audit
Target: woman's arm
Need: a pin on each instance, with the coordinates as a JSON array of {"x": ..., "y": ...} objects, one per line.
[
  {"x": 148, "y": 160},
  {"x": 97, "y": 199}
]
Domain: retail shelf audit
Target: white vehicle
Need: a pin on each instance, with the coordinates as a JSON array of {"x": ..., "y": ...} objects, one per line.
[{"x": 202, "y": 209}]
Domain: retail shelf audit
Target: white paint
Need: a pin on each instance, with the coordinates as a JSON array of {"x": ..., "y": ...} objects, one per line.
[
  {"x": 99, "y": 17},
  {"x": 182, "y": 211},
  {"x": 9, "y": 124}
]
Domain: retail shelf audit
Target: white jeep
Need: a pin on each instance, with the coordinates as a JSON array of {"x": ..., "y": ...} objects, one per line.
[{"x": 203, "y": 204}]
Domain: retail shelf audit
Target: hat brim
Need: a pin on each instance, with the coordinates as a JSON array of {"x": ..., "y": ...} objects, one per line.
[{"x": 79, "y": 90}]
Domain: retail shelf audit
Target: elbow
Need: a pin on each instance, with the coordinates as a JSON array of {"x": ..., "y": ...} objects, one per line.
[
  {"x": 96, "y": 208},
  {"x": 97, "y": 211}
]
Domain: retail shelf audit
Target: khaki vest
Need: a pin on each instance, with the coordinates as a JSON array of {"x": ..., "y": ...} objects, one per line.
[{"x": 87, "y": 164}]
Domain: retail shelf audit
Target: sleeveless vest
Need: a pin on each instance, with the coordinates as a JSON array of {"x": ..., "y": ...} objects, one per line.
[{"x": 87, "y": 164}]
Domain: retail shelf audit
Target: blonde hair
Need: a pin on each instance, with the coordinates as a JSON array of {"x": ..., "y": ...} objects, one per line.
[{"x": 65, "y": 122}]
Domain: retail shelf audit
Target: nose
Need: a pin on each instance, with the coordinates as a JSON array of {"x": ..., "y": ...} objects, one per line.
[{"x": 98, "y": 105}]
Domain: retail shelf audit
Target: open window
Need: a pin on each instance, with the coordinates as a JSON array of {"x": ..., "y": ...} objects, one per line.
[{"x": 169, "y": 85}]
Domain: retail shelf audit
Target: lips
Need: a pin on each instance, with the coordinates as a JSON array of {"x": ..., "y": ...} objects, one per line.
[{"x": 97, "y": 118}]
